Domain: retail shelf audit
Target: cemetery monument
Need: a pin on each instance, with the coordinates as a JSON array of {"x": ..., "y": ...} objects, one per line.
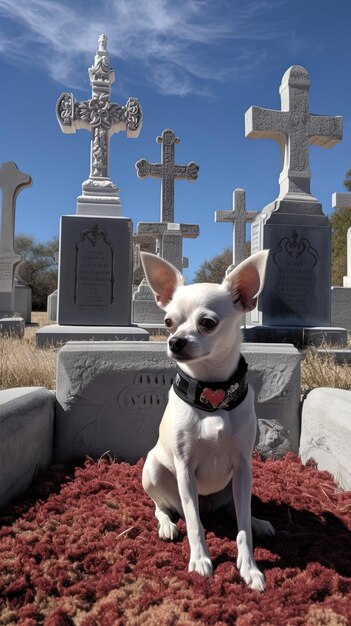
[
  {"x": 239, "y": 217},
  {"x": 12, "y": 181},
  {"x": 295, "y": 304},
  {"x": 341, "y": 296},
  {"x": 168, "y": 235},
  {"x": 95, "y": 257}
]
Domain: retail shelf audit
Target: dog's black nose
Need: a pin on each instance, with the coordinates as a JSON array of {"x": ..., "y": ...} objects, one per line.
[{"x": 176, "y": 344}]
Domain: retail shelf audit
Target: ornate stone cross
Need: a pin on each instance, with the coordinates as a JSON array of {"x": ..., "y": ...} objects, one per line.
[
  {"x": 239, "y": 217},
  {"x": 340, "y": 201},
  {"x": 168, "y": 171},
  {"x": 12, "y": 181},
  {"x": 294, "y": 128},
  {"x": 102, "y": 118}
]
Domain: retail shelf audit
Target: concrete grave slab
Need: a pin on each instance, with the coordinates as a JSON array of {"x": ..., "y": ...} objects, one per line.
[
  {"x": 326, "y": 432},
  {"x": 12, "y": 326},
  {"x": 111, "y": 397},
  {"x": 26, "y": 437}
]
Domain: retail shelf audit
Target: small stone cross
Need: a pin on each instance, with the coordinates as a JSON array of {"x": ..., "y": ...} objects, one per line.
[
  {"x": 339, "y": 201},
  {"x": 12, "y": 181},
  {"x": 168, "y": 171},
  {"x": 102, "y": 118},
  {"x": 239, "y": 217},
  {"x": 294, "y": 128}
]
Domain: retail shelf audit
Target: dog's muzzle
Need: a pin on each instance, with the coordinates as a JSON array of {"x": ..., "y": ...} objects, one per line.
[{"x": 176, "y": 344}]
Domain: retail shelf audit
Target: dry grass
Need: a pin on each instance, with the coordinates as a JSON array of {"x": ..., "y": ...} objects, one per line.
[
  {"x": 321, "y": 370},
  {"x": 22, "y": 364}
]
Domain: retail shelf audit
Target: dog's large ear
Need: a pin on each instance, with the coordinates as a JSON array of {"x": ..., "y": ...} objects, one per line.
[
  {"x": 163, "y": 278},
  {"x": 246, "y": 281}
]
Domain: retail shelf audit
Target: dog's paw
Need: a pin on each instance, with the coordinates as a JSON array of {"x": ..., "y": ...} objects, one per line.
[
  {"x": 247, "y": 566},
  {"x": 202, "y": 566},
  {"x": 167, "y": 530},
  {"x": 262, "y": 527}
]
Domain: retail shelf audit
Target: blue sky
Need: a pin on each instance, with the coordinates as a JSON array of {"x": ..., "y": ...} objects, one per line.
[{"x": 196, "y": 66}]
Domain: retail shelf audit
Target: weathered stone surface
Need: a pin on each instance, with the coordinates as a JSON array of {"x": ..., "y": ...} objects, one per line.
[
  {"x": 297, "y": 285},
  {"x": 299, "y": 336},
  {"x": 293, "y": 227},
  {"x": 294, "y": 128},
  {"x": 239, "y": 216},
  {"x": 95, "y": 271},
  {"x": 326, "y": 432},
  {"x": 145, "y": 309},
  {"x": 12, "y": 181},
  {"x": 168, "y": 171},
  {"x": 102, "y": 118},
  {"x": 341, "y": 307},
  {"x": 111, "y": 396},
  {"x": 26, "y": 437},
  {"x": 342, "y": 201},
  {"x": 12, "y": 326},
  {"x": 52, "y": 306},
  {"x": 56, "y": 334},
  {"x": 22, "y": 302}
]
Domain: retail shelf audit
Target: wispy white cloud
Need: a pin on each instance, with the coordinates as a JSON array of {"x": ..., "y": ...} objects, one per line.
[{"x": 181, "y": 47}]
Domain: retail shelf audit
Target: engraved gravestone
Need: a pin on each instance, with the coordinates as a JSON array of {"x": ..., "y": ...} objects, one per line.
[
  {"x": 95, "y": 271},
  {"x": 12, "y": 181},
  {"x": 294, "y": 227}
]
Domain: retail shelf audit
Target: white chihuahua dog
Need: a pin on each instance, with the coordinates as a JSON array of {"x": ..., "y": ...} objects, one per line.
[{"x": 208, "y": 430}]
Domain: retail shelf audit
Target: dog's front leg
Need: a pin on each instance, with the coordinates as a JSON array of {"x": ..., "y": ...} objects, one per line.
[
  {"x": 199, "y": 557},
  {"x": 242, "y": 482}
]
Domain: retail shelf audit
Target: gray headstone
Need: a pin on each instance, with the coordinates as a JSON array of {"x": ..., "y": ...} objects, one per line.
[
  {"x": 12, "y": 181},
  {"x": 294, "y": 227},
  {"x": 239, "y": 218},
  {"x": 102, "y": 118},
  {"x": 95, "y": 271}
]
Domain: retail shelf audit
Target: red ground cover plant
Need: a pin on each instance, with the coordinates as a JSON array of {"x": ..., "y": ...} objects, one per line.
[{"x": 82, "y": 549}]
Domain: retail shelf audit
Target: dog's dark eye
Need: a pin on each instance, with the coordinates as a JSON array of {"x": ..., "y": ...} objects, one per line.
[
  {"x": 168, "y": 322},
  {"x": 208, "y": 323}
]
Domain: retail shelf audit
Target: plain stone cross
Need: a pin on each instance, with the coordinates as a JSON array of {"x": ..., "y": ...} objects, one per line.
[
  {"x": 102, "y": 118},
  {"x": 168, "y": 171},
  {"x": 294, "y": 128},
  {"x": 239, "y": 217},
  {"x": 12, "y": 181},
  {"x": 340, "y": 201}
]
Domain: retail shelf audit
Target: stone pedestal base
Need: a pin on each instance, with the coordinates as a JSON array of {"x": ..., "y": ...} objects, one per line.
[
  {"x": 57, "y": 334},
  {"x": 118, "y": 404},
  {"x": 299, "y": 336}
]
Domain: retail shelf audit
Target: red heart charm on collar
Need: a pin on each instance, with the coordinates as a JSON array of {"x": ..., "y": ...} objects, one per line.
[{"x": 213, "y": 397}]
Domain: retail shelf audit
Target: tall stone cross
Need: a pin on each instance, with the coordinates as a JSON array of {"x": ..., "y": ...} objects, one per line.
[
  {"x": 12, "y": 181},
  {"x": 168, "y": 171},
  {"x": 239, "y": 217},
  {"x": 102, "y": 118},
  {"x": 168, "y": 234},
  {"x": 294, "y": 128},
  {"x": 341, "y": 201}
]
